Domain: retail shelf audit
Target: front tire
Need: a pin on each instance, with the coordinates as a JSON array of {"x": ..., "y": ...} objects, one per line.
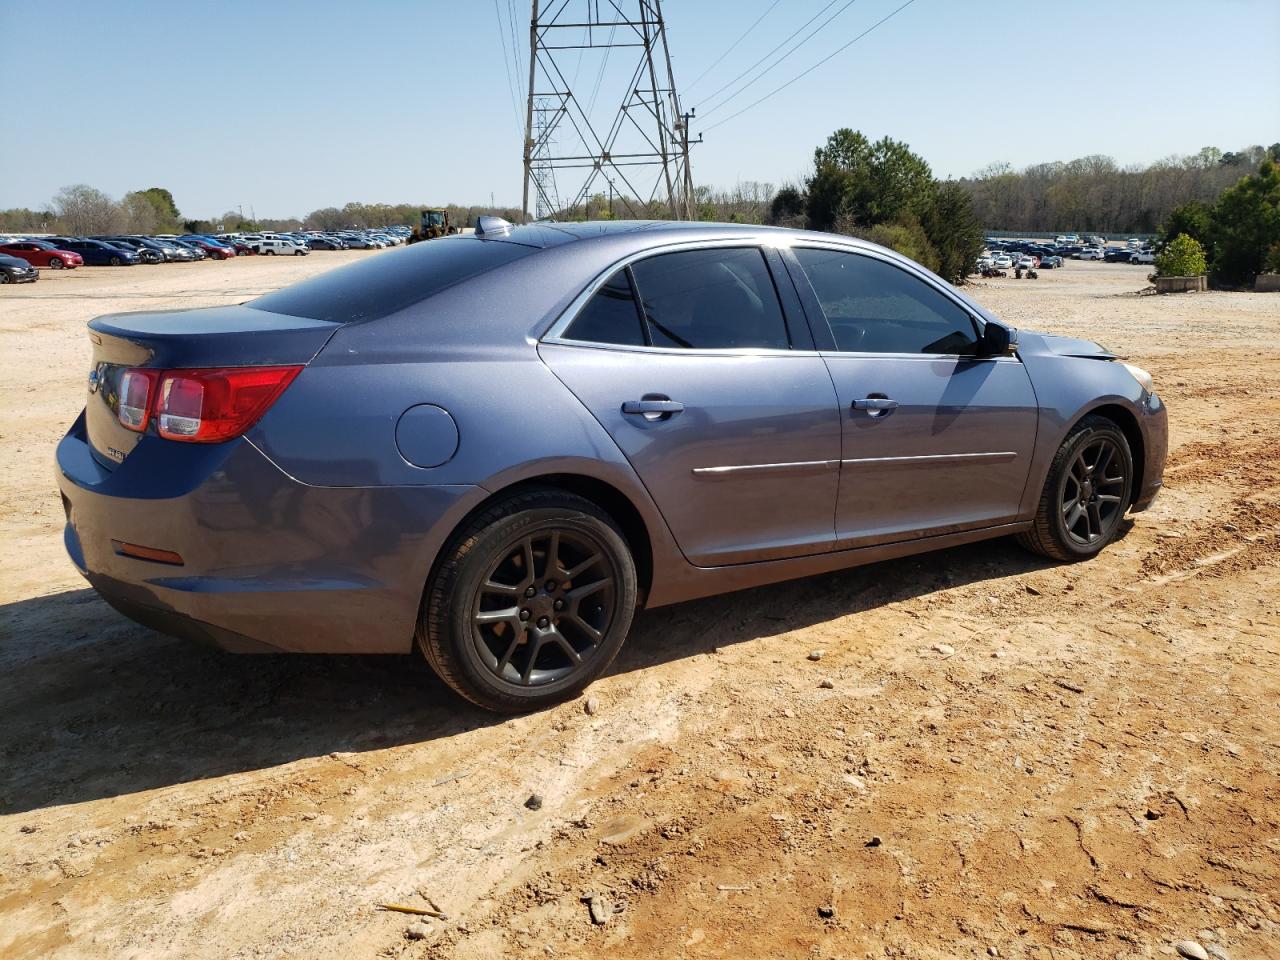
[
  {"x": 531, "y": 602},
  {"x": 1086, "y": 493},
  {"x": 115, "y": 261},
  {"x": 55, "y": 263}
]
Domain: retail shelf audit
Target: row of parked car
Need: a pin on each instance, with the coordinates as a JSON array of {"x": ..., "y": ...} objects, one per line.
[
  {"x": 1069, "y": 248},
  {"x": 21, "y": 257}
]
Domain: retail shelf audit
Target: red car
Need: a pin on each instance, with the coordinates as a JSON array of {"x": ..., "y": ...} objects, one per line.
[
  {"x": 41, "y": 253},
  {"x": 216, "y": 251}
]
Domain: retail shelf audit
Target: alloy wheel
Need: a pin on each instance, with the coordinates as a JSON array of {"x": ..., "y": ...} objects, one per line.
[
  {"x": 544, "y": 607},
  {"x": 1093, "y": 491}
]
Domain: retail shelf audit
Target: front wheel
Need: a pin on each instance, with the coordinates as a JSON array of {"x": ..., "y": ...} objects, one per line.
[
  {"x": 115, "y": 261},
  {"x": 56, "y": 264},
  {"x": 1086, "y": 493},
  {"x": 531, "y": 602}
]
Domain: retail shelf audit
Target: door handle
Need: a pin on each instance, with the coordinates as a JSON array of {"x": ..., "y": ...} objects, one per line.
[
  {"x": 876, "y": 406},
  {"x": 653, "y": 408}
]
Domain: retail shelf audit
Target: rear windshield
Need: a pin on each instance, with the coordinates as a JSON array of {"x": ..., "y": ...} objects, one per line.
[{"x": 391, "y": 281}]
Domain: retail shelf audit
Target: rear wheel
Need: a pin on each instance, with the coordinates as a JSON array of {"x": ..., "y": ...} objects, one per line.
[
  {"x": 531, "y": 603},
  {"x": 1086, "y": 493}
]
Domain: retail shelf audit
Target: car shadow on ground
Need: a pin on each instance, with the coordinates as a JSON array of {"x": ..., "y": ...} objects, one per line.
[{"x": 92, "y": 705}]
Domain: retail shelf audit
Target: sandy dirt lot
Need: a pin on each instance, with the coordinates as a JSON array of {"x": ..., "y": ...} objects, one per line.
[{"x": 1015, "y": 758}]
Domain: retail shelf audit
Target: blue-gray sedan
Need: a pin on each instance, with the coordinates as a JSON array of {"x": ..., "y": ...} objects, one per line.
[{"x": 500, "y": 446}]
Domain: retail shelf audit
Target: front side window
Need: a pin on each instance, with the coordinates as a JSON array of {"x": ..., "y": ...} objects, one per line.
[
  {"x": 876, "y": 307},
  {"x": 716, "y": 299},
  {"x": 610, "y": 316}
]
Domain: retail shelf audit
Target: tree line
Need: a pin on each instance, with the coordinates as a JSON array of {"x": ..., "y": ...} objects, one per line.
[
  {"x": 1096, "y": 195},
  {"x": 880, "y": 190}
]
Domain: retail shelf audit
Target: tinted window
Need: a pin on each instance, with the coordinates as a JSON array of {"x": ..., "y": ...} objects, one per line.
[
  {"x": 382, "y": 285},
  {"x": 610, "y": 316},
  {"x": 875, "y": 307},
  {"x": 710, "y": 299}
]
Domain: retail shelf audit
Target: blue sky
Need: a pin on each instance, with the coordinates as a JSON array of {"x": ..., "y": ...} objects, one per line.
[{"x": 282, "y": 107}]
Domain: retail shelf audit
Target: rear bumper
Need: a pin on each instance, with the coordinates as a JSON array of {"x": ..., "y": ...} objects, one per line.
[
  {"x": 269, "y": 564},
  {"x": 1154, "y": 422}
]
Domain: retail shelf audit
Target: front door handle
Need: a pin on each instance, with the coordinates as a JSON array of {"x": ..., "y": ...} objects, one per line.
[
  {"x": 876, "y": 406},
  {"x": 653, "y": 408}
]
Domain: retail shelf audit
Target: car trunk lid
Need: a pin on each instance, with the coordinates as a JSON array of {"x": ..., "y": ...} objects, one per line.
[{"x": 233, "y": 336}]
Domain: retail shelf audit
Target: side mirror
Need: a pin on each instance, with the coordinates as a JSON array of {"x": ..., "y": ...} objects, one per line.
[{"x": 997, "y": 340}]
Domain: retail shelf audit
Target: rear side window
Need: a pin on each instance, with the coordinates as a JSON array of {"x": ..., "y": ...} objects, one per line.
[
  {"x": 876, "y": 307},
  {"x": 610, "y": 316},
  {"x": 382, "y": 285},
  {"x": 716, "y": 299}
]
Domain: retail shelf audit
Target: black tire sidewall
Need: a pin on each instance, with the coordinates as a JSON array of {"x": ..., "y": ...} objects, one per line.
[
  {"x": 1058, "y": 527},
  {"x": 464, "y": 575}
]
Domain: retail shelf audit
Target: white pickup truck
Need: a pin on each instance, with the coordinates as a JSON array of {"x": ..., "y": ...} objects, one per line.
[{"x": 270, "y": 246}]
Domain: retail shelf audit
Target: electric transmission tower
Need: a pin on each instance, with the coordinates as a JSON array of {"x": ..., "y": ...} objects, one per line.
[
  {"x": 546, "y": 196},
  {"x": 644, "y": 149}
]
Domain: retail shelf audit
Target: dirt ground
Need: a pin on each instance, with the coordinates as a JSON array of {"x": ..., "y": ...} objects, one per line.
[{"x": 1015, "y": 758}]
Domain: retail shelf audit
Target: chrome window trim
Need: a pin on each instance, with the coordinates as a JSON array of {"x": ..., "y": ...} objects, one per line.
[{"x": 555, "y": 333}]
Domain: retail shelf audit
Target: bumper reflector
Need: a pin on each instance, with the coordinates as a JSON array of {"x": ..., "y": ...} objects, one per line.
[{"x": 139, "y": 552}]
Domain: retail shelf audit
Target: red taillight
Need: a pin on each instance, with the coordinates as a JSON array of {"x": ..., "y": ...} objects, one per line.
[
  {"x": 205, "y": 406},
  {"x": 137, "y": 388}
]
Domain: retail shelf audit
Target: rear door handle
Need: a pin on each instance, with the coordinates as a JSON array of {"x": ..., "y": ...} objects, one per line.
[
  {"x": 652, "y": 408},
  {"x": 876, "y": 406}
]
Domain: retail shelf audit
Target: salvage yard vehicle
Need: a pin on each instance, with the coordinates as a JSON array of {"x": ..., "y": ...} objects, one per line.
[
  {"x": 500, "y": 446},
  {"x": 41, "y": 253},
  {"x": 16, "y": 270},
  {"x": 95, "y": 253},
  {"x": 271, "y": 246}
]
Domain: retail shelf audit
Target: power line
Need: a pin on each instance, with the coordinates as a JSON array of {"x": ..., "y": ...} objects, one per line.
[
  {"x": 812, "y": 68},
  {"x": 506, "y": 62},
  {"x": 734, "y": 44},
  {"x": 717, "y": 91},
  {"x": 777, "y": 63},
  {"x": 591, "y": 106},
  {"x": 515, "y": 47}
]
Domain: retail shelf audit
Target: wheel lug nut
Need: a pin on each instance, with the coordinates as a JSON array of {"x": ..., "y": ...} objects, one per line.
[
  {"x": 530, "y": 592},
  {"x": 524, "y": 614},
  {"x": 543, "y": 622},
  {"x": 551, "y": 585},
  {"x": 559, "y": 604}
]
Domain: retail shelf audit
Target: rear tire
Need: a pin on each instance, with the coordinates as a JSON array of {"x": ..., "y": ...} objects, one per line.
[
  {"x": 1086, "y": 493},
  {"x": 531, "y": 602}
]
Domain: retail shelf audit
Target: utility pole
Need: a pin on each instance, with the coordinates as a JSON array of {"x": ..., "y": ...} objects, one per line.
[{"x": 646, "y": 143}]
